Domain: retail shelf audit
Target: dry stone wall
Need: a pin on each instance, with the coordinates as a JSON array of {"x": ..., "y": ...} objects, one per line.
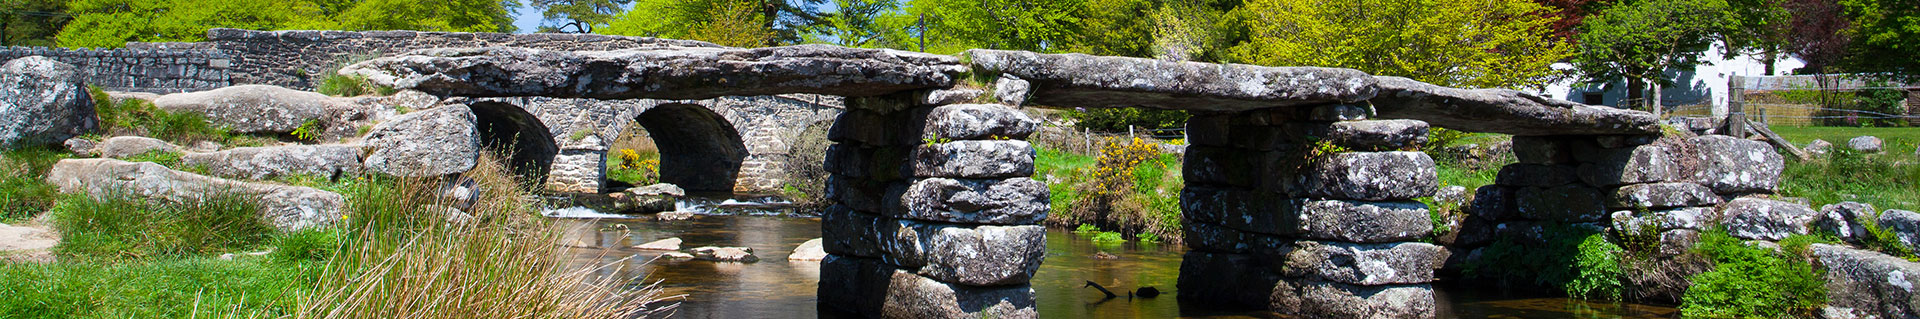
[{"x": 140, "y": 70}]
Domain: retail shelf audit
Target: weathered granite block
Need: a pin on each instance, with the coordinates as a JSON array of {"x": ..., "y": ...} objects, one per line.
[
  {"x": 1361, "y": 264},
  {"x": 1662, "y": 195},
  {"x": 1866, "y": 284},
  {"x": 1765, "y": 219},
  {"x": 1735, "y": 166},
  {"x": 1013, "y": 201},
  {"x": 1567, "y": 203},
  {"x": 977, "y": 122},
  {"x": 1652, "y": 163},
  {"x": 1322, "y": 299},
  {"x": 1543, "y": 175},
  {"x": 1374, "y": 176},
  {"x": 1378, "y": 135},
  {"x": 964, "y": 254},
  {"x": 973, "y": 159},
  {"x": 846, "y": 232}
]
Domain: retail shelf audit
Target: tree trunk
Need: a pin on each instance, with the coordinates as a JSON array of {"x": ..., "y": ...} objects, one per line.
[
  {"x": 1633, "y": 93},
  {"x": 1771, "y": 57}
]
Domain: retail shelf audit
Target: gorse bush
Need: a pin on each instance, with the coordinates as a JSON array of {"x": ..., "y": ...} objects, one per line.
[
  {"x": 120, "y": 226},
  {"x": 139, "y": 117},
  {"x": 1755, "y": 282},
  {"x": 1130, "y": 188},
  {"x": 633, "y": 167}
]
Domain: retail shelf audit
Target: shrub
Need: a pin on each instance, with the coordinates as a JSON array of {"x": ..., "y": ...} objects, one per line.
[
  {"x": 1597, "y": 270},
  {"x": 805, "y": 182},
  {"x": 308, "y": 131},
  {"x": 1754, "y": 282},
  {"x": 1126, "y": 189},
  {"x": 120, "y": 226},
  {"x": 634, "y": 167},
  {"x": 1512, "y": 263}
]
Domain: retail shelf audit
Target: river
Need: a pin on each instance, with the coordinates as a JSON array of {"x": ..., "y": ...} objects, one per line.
[{"x": 777, "y": 288}]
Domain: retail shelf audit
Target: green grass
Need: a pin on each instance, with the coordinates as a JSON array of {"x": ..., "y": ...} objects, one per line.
[
  {"x": 139, "y": 117},
  {"x": 1887, "y": 181},
  {"x": 1897, "y": 139},
  {"x": 120, "y": 227},
  {"x": 630, "y": 176},
  {"x": 171, "y": 288},
  {"x": 1754, "y": 282},
  {"x": 24, "y": 193},
  {"x": 1060, "y": 166},
  {"x": 351, "y": 85}
]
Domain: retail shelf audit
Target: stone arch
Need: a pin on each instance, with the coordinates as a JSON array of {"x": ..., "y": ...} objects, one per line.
[
  {"x": 507, "y": 128},
  {"x": 699, "y": 150}
]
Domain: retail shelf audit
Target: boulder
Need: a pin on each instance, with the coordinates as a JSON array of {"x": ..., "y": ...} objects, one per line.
[
  {"x": 970, "y": 255},
  {"x": 127, "y": 146},
  {"x": 253, "y": 108},
  {"x": 669, "y": 244},
  {"x": 650, "y": 199},
  {"x": 725, "y": 254},
  {"x": 977, "y": 122},
  {"x": 914, "y": 296},
  {"x": 973, "y": 159},
  {"x": 1377, "y": 135},
  {"x": 262, "y": 163},
  {"x": 1324, "y": 299},
  {"x": 1865, "y": 144},
  {"x": 808, "y": 251},
  {"x": 432, "y": 142},
  {"x": 1374, "y": 176},
  {"x": 661, "y": 72},
  {"x": 1662, "y": 195},
  {"x": 1844, "y": 220},
  {"x": 1730, "y": 165},
  {"x": 1818, "y": 147},
  {"x": 286, "y": 207},
  {"x": 1452, "y": 194},
  {"x": 1012, "y": 90},
  {"x": 1361, "y": 264},
  {"x": 1866, "y": 284},
  {"x": 1013, "y": 201},
  {"x": 43, "y": 102},
  {"x": 1904, "y": 225},
  {"x": 1651, "y": 163},
  {"x": 1503, "y": 111},
  {"x": 80, "y": 146},
  {"x": 1765, "y": 219},
  {"x": 1694, "y": 218},
  {"x": 1269, "y": 213},
  {"x": 846, "y": 232},
  {"x": 1079, "y": 80}
]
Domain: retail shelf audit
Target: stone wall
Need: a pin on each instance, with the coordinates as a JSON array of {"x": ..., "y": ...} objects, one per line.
[
  {"x": 140, "y": 70},
  {"x": 294, "y": 58},
  {"x": 1308, "y": 212}
]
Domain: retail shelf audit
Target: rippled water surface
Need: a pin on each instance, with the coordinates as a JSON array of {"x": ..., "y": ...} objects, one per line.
[{"x": 776, "y": 288}]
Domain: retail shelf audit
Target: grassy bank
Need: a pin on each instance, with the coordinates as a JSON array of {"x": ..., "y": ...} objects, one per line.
[
  {"x": 1130, "y": 190},
  {"x": 1888, "y": 180}
]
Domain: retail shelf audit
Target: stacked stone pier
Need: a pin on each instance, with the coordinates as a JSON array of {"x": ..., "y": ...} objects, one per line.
[{"x": 1309, "y": 211}]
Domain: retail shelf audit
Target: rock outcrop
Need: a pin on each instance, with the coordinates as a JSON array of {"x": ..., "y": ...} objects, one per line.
[
  {"x": 1865, "y": 144},
  {"x": 1503, "y": 111},
  {"x": 286, "y": 207},
  {"x": 263, "y": 163},
  {"x": 125, "y": 146},
  {"x": 252, "y": 108},
  {"x": 43, "y": 102},
  {"x": 432, "y": 142},
  {"x": 1079, "y": 80}
]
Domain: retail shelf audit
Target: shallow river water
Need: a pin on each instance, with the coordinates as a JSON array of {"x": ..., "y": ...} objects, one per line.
[{"x": 776, "y": 288}]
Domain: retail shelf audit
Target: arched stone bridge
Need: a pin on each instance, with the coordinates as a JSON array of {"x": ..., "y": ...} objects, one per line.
[{"x": 936, "y": 215}]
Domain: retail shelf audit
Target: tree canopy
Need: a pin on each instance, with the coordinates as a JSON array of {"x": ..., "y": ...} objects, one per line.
[
  {"x": 577, "y": 16},
  {"x": 1639, "y": 41},
  {"x": 1471, "y": 43},
  {"x": 113, "y": 23}
]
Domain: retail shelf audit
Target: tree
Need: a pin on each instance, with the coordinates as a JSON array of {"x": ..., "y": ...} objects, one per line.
[
  {"x": 31, "y": 22},
  {"x": 1759, "y": 26},
  {"x": 1034, "y": 25},
  {"x": 1569, "y": 14},
  {"x": 1639, "y": 41},
  {"x": 580, "y": 15},
  {"x": 422, "y": 15},
  {"x": 1471, "y": 43},
  {"x": 1885, "y": 37},
  {"x": 785, "y": 22},
  {"x": 863, "y": 23},
  {"x": 112, "y": 23},
  {"x": 1819, "y": 34},
  {"x": 1193, "y": 31}
]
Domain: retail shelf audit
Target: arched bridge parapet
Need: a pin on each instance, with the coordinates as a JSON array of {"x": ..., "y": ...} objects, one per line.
[{"x": 1301, "y": 186}]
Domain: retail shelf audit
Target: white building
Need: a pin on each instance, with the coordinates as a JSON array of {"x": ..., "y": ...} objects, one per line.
[{"x": 1703, "y": 86}]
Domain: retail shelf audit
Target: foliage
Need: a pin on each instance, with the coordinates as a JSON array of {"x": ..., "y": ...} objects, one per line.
[
  {"x": 1116, "y": 120},
  {"x": 1107, "y": 237},
  {"x": 1881, "y": 239},
  {"x": 121, "y": 226},
  {"x": 1597, "y": 270},
  {"x": 1881, "y": 99},
  {"x": 1755, "y": 282},
  {"x": 1819, "y": 34},
  {"x": 1640, "y": 40},
  {"x": 1193, "y": 31},
  {"x": 1759, "y": 27},
  {"x": 169, "y": 288},
  {"x": 1476, "y": 43},
  {"x": 1551, "y": 261},
  {"x": 1885, "y": 37},
  {"x": 1033, "y": 25},
  {"x": 139, "y": 117},
  {"x": 739, "y": 23},
  {"x": 1113, "y": 28},
  {"x": 635, "y": 168},
  {"x": 112, "y": 23},
  {"x": 864, "y": 23},
  {"x": 1569, "y": 14},
  {"x": 24, "y": 192},
  {"x": 1130, "y": 188},
  {"x": 581, "y": 15},
  {"x": 351, "y": 85},
  {"x": 1848, "y": 175},
  {"x": 806, "y": 177},
  {"x": 420, "y": 15},
  {"x": 31, "y": 22},
  {"x": 308, "y": 131}
]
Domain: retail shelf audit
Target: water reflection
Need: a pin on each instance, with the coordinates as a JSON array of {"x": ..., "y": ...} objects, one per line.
[{"x": 776, "y": 288}]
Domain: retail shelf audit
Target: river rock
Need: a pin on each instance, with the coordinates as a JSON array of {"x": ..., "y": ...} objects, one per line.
[
  {"x": 1078, "y": 80},
  {"x": 1362, "y": 264},
  {"x": 661, "y": 72},
  {"x": 1904, "y": 225},
  {"x": 1865, "y": 144},
  {"x": 1866, "y": 284},
  {"x": 43, "y": 102},
  {"x": 725, "y": 254},
  {"x": 808, "y": 251},
  {"x": 670, "y": 244},
  {"x": 972, "y": 255},
  {"x": 262, "y": 163},
  {"x": 1375, "y": 176},
  {"x": 286, "y": 207},
  {"x": 1662, "y": 195},
  {"x": 1765, "y": 219},
  {"x": 662, "y": 197},
  {"x": 1013, "y": 201},
  {"x": 432, "y": 142},
  {"x": 1843, "y": 220},
  {"x": 127, "y": 146},
  {"x": 1323, "y": 299},
  {"x": 977, "y": 122},
  {"x": 973, "y": 159},
  {"x": 1818, "y": 147},
  {"x": 252, "y": 108},
  {"x": 678, "y": 255},
  {"x": 1730, "y": 165},
  {"x": 1504, "y": 111}
]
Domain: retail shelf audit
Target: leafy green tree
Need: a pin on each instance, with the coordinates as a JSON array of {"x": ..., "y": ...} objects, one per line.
[
  {"x": 1885, "y": 37},
  {"x": 1761, "y": 27},
  {"x": 1193, "y": 31},
  {"x": 1640, "y": 41},
  {"x": 1035, "y": 25},
  {"x": 1462, "y": 43},
  {"x": 422, "y": 15},
  {"x": 579, "y": 15},
  {"x": 112, "y": 23},
  {"x": 864, "y": 23},
  {"x": 1115, "y": 28},
  {"x": 783, "y": 21},
  {"x": 31, "y": 22}
]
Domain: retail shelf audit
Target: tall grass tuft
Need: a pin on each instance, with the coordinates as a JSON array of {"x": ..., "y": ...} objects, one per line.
[
  {"x": 406, "y": 260},
  {"x": 121, "y": 226},
  {"x": 23, "y": 193},
  {"x": 139, "y": 117}
]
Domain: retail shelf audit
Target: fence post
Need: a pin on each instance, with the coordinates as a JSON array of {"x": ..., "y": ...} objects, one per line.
[{"x": 1736, "y": 122}]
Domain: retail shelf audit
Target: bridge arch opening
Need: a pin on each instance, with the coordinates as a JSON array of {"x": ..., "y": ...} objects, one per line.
[
  {"x": 510, "y": 130},
  {"x": 699, "y": 150}
]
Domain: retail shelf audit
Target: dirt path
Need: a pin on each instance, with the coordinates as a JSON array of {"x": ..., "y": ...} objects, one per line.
[{"x": 27, "y": 243}]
